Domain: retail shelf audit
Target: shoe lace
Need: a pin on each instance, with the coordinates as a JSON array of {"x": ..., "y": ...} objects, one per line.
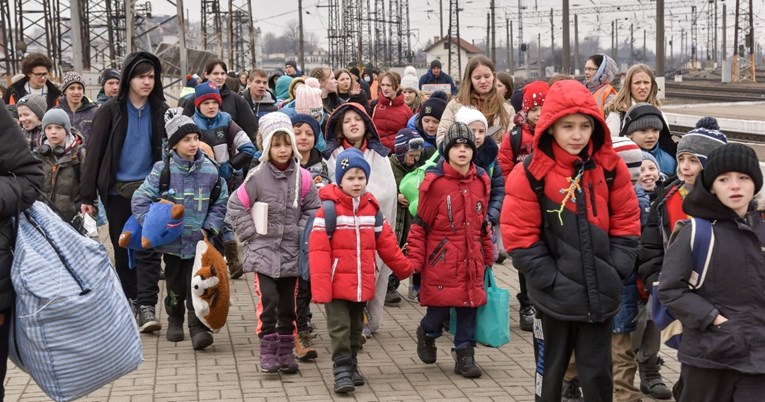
[{"x": 528, "y": 310}]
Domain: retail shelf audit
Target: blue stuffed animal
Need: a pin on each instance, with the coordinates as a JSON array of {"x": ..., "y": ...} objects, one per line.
[{"x": 162, "y": 225}]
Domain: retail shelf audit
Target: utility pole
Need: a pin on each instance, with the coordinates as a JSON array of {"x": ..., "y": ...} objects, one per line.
[
  {"x": 509, "y": 42},
  {"x": 566, "y": 40},
  {"x": 539, "y": 55},
  {"x": 301, "y": 43},
  {"x": 613, "y": 41},
  {"x": 520, "y": 34},
  {"x": 552, "y": 38},
  {"x": 724, "y": 47},
  {"x": 645, "y": 58},
  {"x": 488, "y": 37},
  {"x": 660, "y": 38},
  {"x": 616, "y": 41},
  {"x": 129, "y": 25},
  {"x": 493, "y": 35},
  {"x": 183, "y": 65},
  {"x": 714, "y": 54},
  {"x": 441, "y": 17},
  {"x": 76, "y": 20},
  {"x": 576, "y": 41},
  {"x": 632, "y": 44}
]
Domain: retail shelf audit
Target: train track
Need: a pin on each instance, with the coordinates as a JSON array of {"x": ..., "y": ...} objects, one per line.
[
  {"x": 715, "y": 94},
  {"x": 737, "y": 136}
]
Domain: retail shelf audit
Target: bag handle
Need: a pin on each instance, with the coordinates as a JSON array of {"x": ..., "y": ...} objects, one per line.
[{"x": 488, "y": 278}]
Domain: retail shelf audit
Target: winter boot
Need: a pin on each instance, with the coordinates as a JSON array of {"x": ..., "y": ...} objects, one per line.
[
  {"x": 426, "y": 347},
  {"x": 269, "y": 348},
  {"x": 200, "y": 334},
  {"x": 357, "y": 378},
  {"x": 464, "y": 356},
  {"x": 526, "y": 317},
  {"x": 304, "y": 347},
  {"x": 343, "y": 371},
  {"x": 392, "y": 298},
  {"x": 231, "y": 250},
  {"x": 571, "y": 392},
  {"x": 174, "y": 319},
  {"x": 651, "y": 383},
  {"x": 287, "y": 363}
]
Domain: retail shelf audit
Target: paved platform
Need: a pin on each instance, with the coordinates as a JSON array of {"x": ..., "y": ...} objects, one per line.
[
  {"x": 745, "y": 117},
  {"x": 228, "y": 370}
]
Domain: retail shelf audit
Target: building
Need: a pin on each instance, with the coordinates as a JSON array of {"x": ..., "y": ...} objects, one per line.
[{"x": 439, "y": 50}]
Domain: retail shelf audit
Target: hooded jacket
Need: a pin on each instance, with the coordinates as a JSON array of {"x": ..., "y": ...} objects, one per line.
[
  {"x": 507, "y": 159},
  {"x": 234, "y": 105},
  {"x": 734, "y": 286},
  {"x": 82, "y": 118},
  {"x": 389, "y": 116},
  {"x": 443, "y": 78},
  {"x": 19, "y": 89},
  {"x": 109, "y": 130},
  {"x": 62, "y": 176},
  {"x": 579, "y": 241}
]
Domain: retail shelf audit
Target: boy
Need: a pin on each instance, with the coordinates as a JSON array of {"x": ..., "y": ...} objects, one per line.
[
  {"x": 572, "y": 226},
  {"x": 192, "y": 179},
  {"x": 450, "y": 243},
  {"x": 74, "y": 102},
  {"x": 644, "y": 124},
  {"x": 343, "y": 266}
]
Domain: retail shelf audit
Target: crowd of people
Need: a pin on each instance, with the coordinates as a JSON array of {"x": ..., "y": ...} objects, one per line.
[{"x": 580, "y": 183}]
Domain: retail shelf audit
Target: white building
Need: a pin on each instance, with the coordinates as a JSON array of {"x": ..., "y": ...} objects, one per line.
[{"x": 439, "y": 50}]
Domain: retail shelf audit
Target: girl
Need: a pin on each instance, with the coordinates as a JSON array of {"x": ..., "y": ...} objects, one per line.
[
  {"x": 410, "y": 87},
  {"x": 638, "y": 86},
  {"x": 349, "y": 90},
  {"x": 390, "y": 113},
  {"x": 504, "y": 85},
  {"x": 328, "y": 85},
  {"x": 599, "y": 71}
]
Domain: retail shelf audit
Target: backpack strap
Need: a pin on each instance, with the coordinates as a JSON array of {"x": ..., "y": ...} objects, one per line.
[
  {"x": 516, "y": 138},
  {"x": 330, "y": 217},
  {"x": 609, "y": 175},
  {"x": 305, "y": 184},
  {"x": 538, "y": 186},
  {"x": 164, "y": 176},
  {"x": 702, "y": 245}
]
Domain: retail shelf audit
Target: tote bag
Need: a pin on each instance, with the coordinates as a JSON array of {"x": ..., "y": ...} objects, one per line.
[{"x": 492, "y": 323}]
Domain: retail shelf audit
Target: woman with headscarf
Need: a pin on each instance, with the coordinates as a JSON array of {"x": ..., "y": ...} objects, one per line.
[{"x": 599, "y": 71}]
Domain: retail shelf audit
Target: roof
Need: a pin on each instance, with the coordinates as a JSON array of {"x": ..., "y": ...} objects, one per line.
[{"x": 467, "y": 46}]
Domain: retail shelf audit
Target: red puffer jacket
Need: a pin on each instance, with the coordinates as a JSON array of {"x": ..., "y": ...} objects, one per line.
[
  {"x": 448, "y": 241},
  {"x": 507, "y": 159},
  {"x": 344, "y": 267},
  {"x": 389, "y": 116}
]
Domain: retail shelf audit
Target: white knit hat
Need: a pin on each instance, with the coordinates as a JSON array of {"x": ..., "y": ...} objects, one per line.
[
  {"x": 410, "y": 82},
  {"x": 272, "y": 123},
  {"x": 469, "y": 114}
]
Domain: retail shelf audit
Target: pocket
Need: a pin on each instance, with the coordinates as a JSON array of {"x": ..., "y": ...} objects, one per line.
[
  {"x": 439, "y": 254},
  {"x": 719, "y": 343}
]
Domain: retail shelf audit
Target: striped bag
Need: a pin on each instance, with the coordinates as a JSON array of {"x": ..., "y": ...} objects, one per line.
[{"x": 73, "y": 329}]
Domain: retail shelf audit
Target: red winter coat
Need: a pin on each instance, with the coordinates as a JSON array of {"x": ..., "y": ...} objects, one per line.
[
  {"x": 389, "y": 116},
  {"x": 575, "y": 261},
  {"x": 344, "y": 267},
  {"x": 450, "y": 245},
  {"x": 506, "y": 158}
]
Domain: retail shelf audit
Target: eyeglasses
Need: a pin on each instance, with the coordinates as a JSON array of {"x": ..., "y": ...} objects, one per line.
[
  {"x": 40, "y": 75},
  {"x": 590, "y": 69}
]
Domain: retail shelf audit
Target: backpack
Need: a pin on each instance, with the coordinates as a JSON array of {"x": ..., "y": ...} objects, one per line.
[
  {"x": 164, "y": 179},
  {"x": 516, "y": 137},
  {"x": 702, "y": 245},
  {"x": 330, "y": 223}
]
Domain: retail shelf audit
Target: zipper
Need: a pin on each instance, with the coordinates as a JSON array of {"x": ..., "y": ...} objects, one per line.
[
  {"x": 592, "y": 200},
  {"x": 358, "y": 254},
  {"x": 436, "y": 250},
  {"x": 334, "y": 266},
  {"x": 449, "y": 212}
]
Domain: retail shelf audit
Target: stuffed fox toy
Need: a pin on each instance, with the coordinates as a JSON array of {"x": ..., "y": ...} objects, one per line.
[{"x": 209, "y": 286}]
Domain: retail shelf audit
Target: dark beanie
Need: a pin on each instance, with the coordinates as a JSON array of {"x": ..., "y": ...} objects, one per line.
[
  {"x": 640, "y": 117},
  {"x": 355, "y": 71},
  {"x": 434, "y": 106},
  {"x": 732, "y": 157},
  {"x": 435, "y": 64},
  {"x": 107, "y": 75},
  {"x": 458, "y": 133},
  {"x": 311, "y": 121}
]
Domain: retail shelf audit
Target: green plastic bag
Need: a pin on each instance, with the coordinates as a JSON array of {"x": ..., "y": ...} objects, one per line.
[
  {"x": 410, "y": 184},
  {"x": 492, "y": 323}
]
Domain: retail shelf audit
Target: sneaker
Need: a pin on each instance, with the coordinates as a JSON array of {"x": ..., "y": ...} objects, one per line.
[
  {"x": 526, "y": 318},
  {"x": 147, "y": 320},
  {"x": 392, "y": 298},
  {"x": 571, "y": 391}
]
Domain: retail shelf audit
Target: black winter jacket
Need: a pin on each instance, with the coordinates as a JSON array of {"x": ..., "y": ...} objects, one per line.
[
  {"x": 734, "y": 286},
  {"x": 655, "y": 234},
  {"x": 19, "y": 171},
  {"x": 18, "y": 90},
  {"x": 236, "y": 106},
  {"x": 486, "y": 158}
]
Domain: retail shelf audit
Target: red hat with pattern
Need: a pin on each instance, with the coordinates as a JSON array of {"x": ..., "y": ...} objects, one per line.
[{"x": 534, "y": 95}]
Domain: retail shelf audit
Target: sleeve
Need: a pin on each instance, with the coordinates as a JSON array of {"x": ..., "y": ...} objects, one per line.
[
  {"x": 686, "y": 305},
  {"x": 245, "y": 118},
  {"x": 506, "y": 158},
  {"x": 188, "y": 108},
  {"x": 447, "y": 119},
  {"x": 423, "y": 80},
  {"x": 624, "y": 226},
  {"x": 614, "y": 123},
  {"x": 217, "y": 211},
  {"x": 240, "y": 138},
  {"x": 390, "y": 253},
  {"x": 497, "y": 196},
  {"x": 454, "y": 87},
  {"x": 238, "y": 210},
  {"x": 361, "y": 99},
  {"x": 320, "y": 260},
  {"x": 18, "y": 168},
  {"x": 7, "y": 96},
  {"x": 651, "y": 255},
  {"x": 100, "y": 131},
  {"x": 488, "y": 247},
  {"x": 147, "y": 193},
  {"x": 419, "y": 230}
]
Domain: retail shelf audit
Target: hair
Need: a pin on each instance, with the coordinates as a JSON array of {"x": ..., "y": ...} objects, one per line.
[
  {"x": 394, "y": 79},
  {"x": 257, "y": 73},
  {"x": 339, "y": 136},
  {"x": 143, "y": 67},
  {"x": 233, "y": 84},
  {"x": 623, "y": 99},
  {"x": 507, "y": 81},
  {"x": 597, "y": 59},
  {"x": 493, "y": 106},
  {"x": 210, "y": 66},
  {"x": 342, "y": 71},
  {"x": 559, "y": 77},
  {"x": 321, "y": 73},
  {"x": 33, "y": 60}
]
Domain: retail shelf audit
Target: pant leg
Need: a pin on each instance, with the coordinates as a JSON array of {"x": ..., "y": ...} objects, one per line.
[
  {"x": 303, "y": 304},
  {"x": 433, "y": 321},
  {"x": 375, "y": 306},
  {"x": 148, "y": 264},
  {"x": 593, "y": 363},
  {"x": 707, "y": 385},
  {"x": 523, "y": 294},
  {"x": 749, "y": 387},
  {"x": 339, "y": 327},
  {"x": 268, "y": 298},
  {"x": 285, "y": 310},
  {"x": 117, "y": 213},
  {"x": 558, "y": 346},
  {"x": 227, "y": 231},
  {"x": 7, "y": 317},
  {"x": 356, "y": 317},
  {"x": 466, "y": 317},
  {"x": 625, "y": 367},
  {"x": 648, "y": 350},
  {"x": 175, "y": 281}
]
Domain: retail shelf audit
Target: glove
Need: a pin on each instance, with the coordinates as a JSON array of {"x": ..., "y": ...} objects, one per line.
[{"x": 225, "y": 170}]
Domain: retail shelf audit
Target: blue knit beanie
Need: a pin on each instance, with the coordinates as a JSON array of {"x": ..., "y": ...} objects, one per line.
[
  {"x": 204, "y": 91},
  {"x": 308, "y": 119},
  {"x": 349, "y": 159}
]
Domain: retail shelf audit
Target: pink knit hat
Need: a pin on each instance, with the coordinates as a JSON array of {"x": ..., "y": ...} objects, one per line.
[{"x": 308, "y": 98}]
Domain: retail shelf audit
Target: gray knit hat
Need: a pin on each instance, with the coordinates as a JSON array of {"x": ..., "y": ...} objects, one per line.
[
  {"x": 458, "y": 133},
  {"x": 702, "y": 140},
  {"x": 642, "y": 116},
  {"x": 59, "y": 117},
  {"x": 177, "y": 126},
  {"x": 36, "y": 103},
  {"x": 71, "y": 77}
]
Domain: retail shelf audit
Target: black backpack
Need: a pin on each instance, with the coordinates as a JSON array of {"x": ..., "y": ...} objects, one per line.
[{"x": 164, "y": 180}]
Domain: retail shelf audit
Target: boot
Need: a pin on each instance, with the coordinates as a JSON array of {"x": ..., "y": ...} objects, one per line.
[
  {"x": 357, "y": 378},
  {"x": 304, "y": 347},
  {"x": 392, "y": 297},
  {"x": 200, "y": 334},
  {"x": 343, "y": 371},
  {"x": 464, "y": 356},
  {"x": 650, "y": 379},
  {"x": 526, "y": 317},
  {"x": 174, "y": 319},
  {"x": 571, "y": 392},
  {"x": 231, "y": 250},
  {"x": 269, "y": 348},
  {"x": 426, "y": 347},
  {"x": 287, "y": 363}
]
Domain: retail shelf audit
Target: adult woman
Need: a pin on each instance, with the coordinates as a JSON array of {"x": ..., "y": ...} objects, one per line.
[
  {"x": 390, "y": 112},
  {"x": 639, "y": 86},
  {"x": 599, "y": 71},
  {"x": 478, "y": 89},
  {"x": 349, "y": 90},
  {"x": 328, "y": 85},
  {"x": 504, "y": 85}
]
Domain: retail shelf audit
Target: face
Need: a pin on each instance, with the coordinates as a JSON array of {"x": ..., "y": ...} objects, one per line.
[
  {"x": 112, "y": 87},
  {"x": 412, "y": 156},
  {"x": 354, "y": 127},
  {"x": 27, "y": 118},
  {"x": 304, "y": 137},
  {"x": 501, "y": 89},
  {"x": 590, "y": 68},
  {"x": 430, "y": 125},
  {"x": 209, "y": 108},
  {"x": 289, "y": 70},
  {"x": 436, "y": 71},
  {"x": 735, "y": 190},
  {"x": 460, "y": 156},
  {"x": 387, "y": 88},
  {"x": 56, "y": 135},
  {"x": 142, "y": 85},
  {"x": 38, "y": 76},
  {"x": 646, "y": 139},
  {"x": 74, "y": 93},
  {"x": 258, "y": 86},
  {"x": 243, "y": 79},
  {"x": 482, "y": 79},
  {"x": 344, "y": 83},
  {"x": 649, "y": 175},
  {"x": 281, "y": 149},
  {"x": 217, "y": 76},
  {"x": 689, "y": 168},
  {"x": 533, "y": 115},
  {"x": 479, "y": 130},
  {"x": 640, "y": 86},
  {"x": 409, "y": 96},
  {"x": 188, "y": 146},
  {"x": 354, "y": 182},
  {"x": 572, "y": 132},
  {"x": 330, "y": 84}
]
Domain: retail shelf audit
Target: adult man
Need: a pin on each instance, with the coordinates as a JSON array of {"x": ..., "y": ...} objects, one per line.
[
  {"x": 36, "y": 68},
  {"x": 110, "y": 85},
  {"x": 258, "y": 97},
  {"x": 74, "y": 102},
  {"x": 290, "y": 68},
  {"x": 436, "y": 76},
  {"x": 125, "y": 142}
]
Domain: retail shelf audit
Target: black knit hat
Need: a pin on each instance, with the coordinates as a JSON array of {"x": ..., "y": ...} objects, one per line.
[
  {"x": 435, "y": 64},
  {"x": 732, "y": 157},
  {"x": 177, "y": 126},
  {"x": 458, "y": 133},
  {"x": 641, "y": 116},
  {"x": 435, "y": 105}
]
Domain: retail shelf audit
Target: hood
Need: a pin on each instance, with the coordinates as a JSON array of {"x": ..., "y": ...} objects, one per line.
[
  {"x": 222, "y": 119},
  {"x": 487, "y": 153},
  {"x": 373, "y": 138},
  {"x": 283, "y": 87},
  {"x": 74, "y": 143},
  {"x": 701, "y": 203},
  {"x": 268, "y": 98},
  {"x": 564, "y": 98},
  {"x": 157, "y": 94}
]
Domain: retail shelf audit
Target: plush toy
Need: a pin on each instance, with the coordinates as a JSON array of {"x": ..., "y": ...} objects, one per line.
[
  {"x": 162, "y": 225},
  {"x": 209, "y": 286}
]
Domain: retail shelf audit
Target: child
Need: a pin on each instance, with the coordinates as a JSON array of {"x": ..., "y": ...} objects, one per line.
[
  {"x": 233, "y": 151},
  {"x": 573, "y": 233},
  {"x": 523, "y": 134},
  {"x": 644, "y": 124},
  {"x": 721, "y": 351},
  {"x": 450, "y": 244},
  {"x": 62, "y": 152},
  {"x": 31, "y": 109},
  {"x": 426, "y": 121},
  {"x": 343, "y": 267},
  {"x": 276, "y": 181},
  {"x": 192, "y": 180},
  {"x": 647, "y": 182}
]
